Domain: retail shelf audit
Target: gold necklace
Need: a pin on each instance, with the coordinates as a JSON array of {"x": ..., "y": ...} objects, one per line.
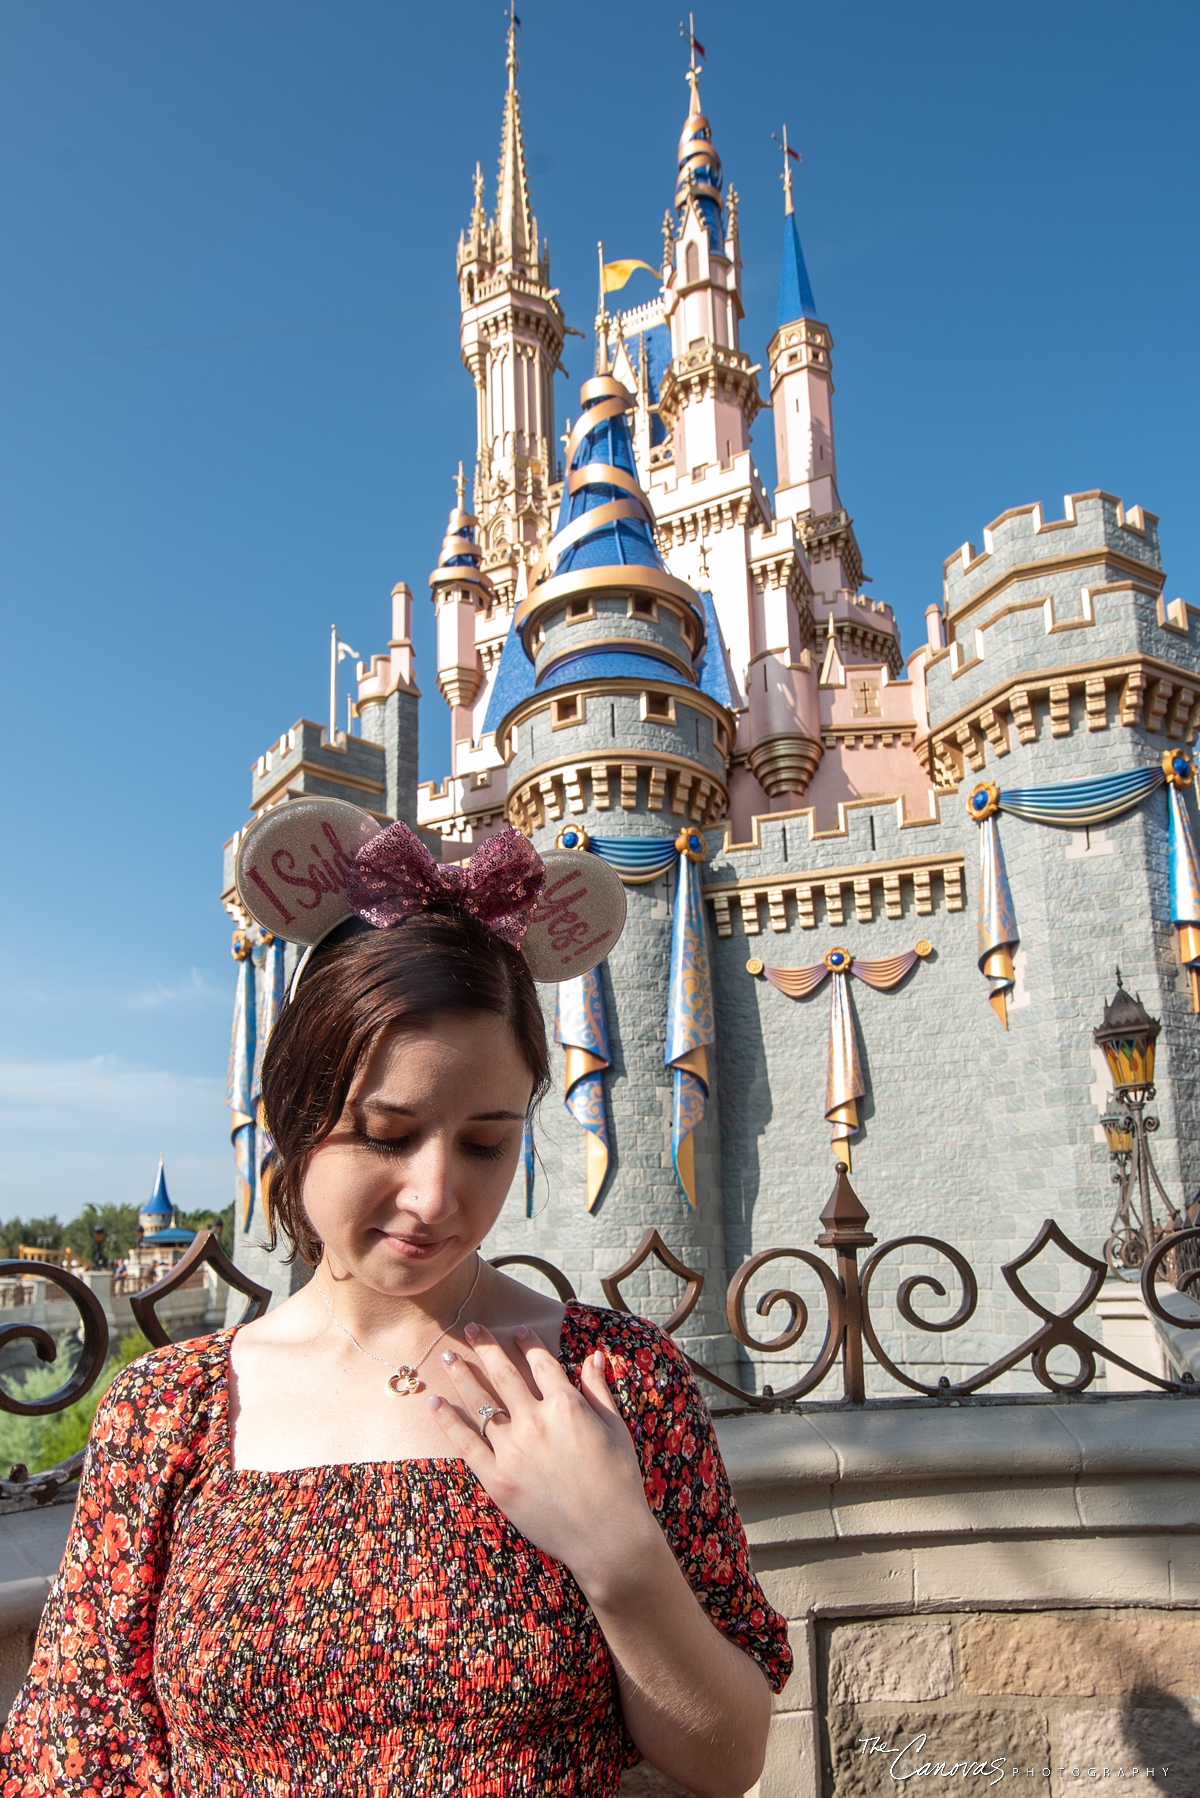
[{"x": 404, "y": 1380}]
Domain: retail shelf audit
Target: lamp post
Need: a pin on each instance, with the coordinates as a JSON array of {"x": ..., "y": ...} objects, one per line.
[{"x": 1128, "y": 1035}]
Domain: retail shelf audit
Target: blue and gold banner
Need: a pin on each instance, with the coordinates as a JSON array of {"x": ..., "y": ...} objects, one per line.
[
  {"x": 267, "y": 956},
  {"x": 581, "y": 1026},
  {"x": 691, "y": 1030},
  {"x": 239, "y": 1091},
  {"x": 998, "y": 934},
  {"x": 1074, "y": 805},
  {"x": 636, "y": 859}
]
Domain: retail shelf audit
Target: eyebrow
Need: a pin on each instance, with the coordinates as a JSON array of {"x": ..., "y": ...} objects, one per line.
[{"x": 478, "y": 1117}]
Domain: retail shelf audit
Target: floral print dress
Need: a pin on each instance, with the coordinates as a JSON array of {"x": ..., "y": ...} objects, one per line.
[{"x": 369, "y": 1628}]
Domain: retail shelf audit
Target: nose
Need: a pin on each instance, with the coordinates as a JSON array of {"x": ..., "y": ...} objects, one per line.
[{"x": 426, "y": 1193}]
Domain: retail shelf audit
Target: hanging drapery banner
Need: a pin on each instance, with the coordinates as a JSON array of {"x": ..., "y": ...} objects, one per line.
[
  {"x": 998, "y": 934},
  {"x": 581, "y": 1027},
  {"x": 1074, "y": 805},
  {"x": 528, "y": 1164},
  {"x": 844, "y": 1083},
  {"x": 259, "y": 995},
  {"x": 636, "y": 859},
  {"x": 690, "y": 1026},
  {"x": 267, "y": 956},
  {"x": 239, "y": 1091},
  {"x": 1183, "y": 871}
]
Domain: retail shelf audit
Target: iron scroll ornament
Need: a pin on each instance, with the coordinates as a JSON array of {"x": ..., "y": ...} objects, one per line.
[{"x": 95, "y": 1339}]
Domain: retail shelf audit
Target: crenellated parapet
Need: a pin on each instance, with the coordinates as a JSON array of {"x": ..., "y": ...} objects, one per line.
[{"x": 1058, "y": 627}]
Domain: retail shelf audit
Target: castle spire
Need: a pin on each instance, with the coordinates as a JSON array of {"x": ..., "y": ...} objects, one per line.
[
  {"x": 512, "y": 334},
  {"x": 795, "y": 288},
  {"x": 516, "y": 228},
  {"x": 699, "y": 182}
]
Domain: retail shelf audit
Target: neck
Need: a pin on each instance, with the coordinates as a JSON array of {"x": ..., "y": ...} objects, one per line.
[{"x": 380, "y": 1319}]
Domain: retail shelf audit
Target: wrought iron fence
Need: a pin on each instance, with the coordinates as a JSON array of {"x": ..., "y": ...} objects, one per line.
[{"x": 851, "y": 1326}]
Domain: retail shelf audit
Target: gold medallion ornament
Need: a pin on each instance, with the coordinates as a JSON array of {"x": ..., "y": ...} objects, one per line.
[{"x": 406, "y": 1378}]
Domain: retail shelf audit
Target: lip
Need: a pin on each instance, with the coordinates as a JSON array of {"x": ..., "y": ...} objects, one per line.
[{"x": 414, "y": 1248}]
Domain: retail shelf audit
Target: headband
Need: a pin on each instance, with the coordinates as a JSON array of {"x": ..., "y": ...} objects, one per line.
[{"x": 307, "y": 865}]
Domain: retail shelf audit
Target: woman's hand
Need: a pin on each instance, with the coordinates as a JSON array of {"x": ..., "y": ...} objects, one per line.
[
  {"x": 562, "y": 1467},
  {"x": 558, "y": 1461}
]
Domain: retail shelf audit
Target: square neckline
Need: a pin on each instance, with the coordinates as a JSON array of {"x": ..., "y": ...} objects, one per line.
[{"x": 224, "y": 1434}]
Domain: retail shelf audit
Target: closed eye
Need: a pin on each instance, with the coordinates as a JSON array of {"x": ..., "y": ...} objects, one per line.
[
  {"x": 485, "y": 1151},
  {"x": 386, "y": 1145}
]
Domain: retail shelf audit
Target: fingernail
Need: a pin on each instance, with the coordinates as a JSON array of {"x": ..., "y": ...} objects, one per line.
[
  {"x": 598, "y": 1358},
  {"x": 449, "y": 1357},
  {"x": 472, "y": 1331},
  {"x": 434, "y": 1402},
  {"x": 521, "y": 1333}
]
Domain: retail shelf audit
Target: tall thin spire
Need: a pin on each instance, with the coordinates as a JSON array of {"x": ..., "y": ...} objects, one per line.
[
  {"x": 795, "y": 288},
  {"x": 516, "y": 228},
  {"x": 699, "y": 182}
]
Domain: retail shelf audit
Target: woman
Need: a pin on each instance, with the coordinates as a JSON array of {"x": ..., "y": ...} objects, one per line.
[{"x": 418, "y": 1529}]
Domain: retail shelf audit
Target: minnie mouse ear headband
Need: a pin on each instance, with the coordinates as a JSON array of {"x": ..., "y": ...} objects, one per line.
[{"x": 306, "y": 866}]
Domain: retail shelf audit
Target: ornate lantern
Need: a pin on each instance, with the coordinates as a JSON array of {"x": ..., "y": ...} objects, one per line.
[{"x": 1128, "y": 1035}]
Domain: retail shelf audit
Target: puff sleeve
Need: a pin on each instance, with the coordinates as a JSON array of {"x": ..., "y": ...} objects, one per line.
[
  {"x": 87, "y": 1719},
  {"x": 686, "y": 1484}
]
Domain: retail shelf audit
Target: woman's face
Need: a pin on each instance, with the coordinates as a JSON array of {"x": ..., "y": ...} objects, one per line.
[{"x": 415, "y": 1172}]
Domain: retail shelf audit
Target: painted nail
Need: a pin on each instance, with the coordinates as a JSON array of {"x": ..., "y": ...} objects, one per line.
[
  {"x": 472, "y": 1331},
  {"x": 434, "y": 1402},
  {"x": 598, "y": 1358},
  {"x": 449, "y": 1357},
  {"x": 521, "y": 1333}
]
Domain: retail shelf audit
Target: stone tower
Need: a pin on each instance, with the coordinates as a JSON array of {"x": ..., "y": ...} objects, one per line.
[{"x": 614, "y": 735}]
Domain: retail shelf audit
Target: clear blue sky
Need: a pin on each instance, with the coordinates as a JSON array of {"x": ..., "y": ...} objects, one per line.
[{"x": 231, "y": 402}]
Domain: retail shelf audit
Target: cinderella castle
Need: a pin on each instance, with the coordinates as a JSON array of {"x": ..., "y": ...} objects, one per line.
[{"x": 876, "y": 898}]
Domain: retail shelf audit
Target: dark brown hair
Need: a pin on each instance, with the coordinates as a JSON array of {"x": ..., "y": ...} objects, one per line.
[{"x": 359, "y": 984}]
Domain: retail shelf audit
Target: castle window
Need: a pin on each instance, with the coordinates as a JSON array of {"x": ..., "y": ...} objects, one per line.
[
  {"x": 691, "y": 263},
  {"x": 642, "y": 607},
  {"x": 568, "y": 710},
  {"x": 578, "y": 609},
  {"x": 658, "y": 706}
]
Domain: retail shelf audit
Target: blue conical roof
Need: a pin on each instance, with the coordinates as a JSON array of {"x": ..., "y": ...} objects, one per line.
[
  {"x": 605, "y": 444},
  {"x": 160, "y": 1204},
  {"x": 795, "y": 288}
]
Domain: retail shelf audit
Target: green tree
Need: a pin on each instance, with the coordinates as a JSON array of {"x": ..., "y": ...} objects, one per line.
[
  {"x": 35, "y": 1233},
  {"x": 220, "y": 1221},
  {"x": 119, "y": 1223},
  {"x": 42, "y": 1442}
]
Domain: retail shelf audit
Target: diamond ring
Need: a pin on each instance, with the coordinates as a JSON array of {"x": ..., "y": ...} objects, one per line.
[{"x": 488, "y": 1412}]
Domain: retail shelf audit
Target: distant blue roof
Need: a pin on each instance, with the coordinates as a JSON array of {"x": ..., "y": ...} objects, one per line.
[
  {"x": 165, "y": 1237},
  {"x": 611, "y": 664},
  {"x": 514, "y": 679},
  {"x": 160, "y": 1204},
  {"x": 713, "y": 672},
  {"x": 795, "y": 288}
]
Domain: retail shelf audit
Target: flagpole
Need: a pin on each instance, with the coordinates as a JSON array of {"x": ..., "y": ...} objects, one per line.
[
  {"x": 601, "y": 318},
  {"x": 333, "y": 660}
]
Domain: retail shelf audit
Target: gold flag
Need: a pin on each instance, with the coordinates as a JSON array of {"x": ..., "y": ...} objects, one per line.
[{"x": 617, "y": 273}]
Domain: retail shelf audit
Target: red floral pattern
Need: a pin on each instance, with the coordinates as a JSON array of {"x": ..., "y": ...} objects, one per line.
[{"x": 352, "y": 1629}]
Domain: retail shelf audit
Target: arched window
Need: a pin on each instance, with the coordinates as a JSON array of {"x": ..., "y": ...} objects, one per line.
[{"x": 691, "y": 263}]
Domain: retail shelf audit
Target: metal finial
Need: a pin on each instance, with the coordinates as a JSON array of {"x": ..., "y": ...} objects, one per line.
[
  {"x": 510, "y": 60},
  {"x": 460, "y": 486},
  {"x": 704, "y": 561},
  {"x": 789, "y": 157}
]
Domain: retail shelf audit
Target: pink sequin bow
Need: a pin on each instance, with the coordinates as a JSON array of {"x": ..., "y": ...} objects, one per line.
[{"x": 395, "y": 876}]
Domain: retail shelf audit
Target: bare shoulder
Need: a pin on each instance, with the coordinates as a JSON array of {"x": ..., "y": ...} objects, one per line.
[{"x": 510, "y": 1303}]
